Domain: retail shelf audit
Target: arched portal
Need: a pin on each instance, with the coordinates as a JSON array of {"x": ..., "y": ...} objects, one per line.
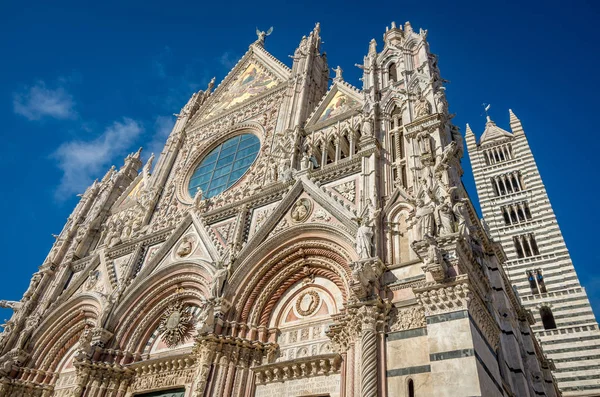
[{"x": 286, "y": 295}]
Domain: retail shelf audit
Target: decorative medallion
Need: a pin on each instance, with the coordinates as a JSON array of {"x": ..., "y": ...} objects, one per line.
[
  {"x": 176, "y": 324},
  {"x": 186, "y": 246},
  {"x": 307, "y": 303},
  {"x": 301, "y": 210}
]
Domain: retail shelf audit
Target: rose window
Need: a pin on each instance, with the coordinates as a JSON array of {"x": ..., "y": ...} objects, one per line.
[{"x": 224, "y": 165}]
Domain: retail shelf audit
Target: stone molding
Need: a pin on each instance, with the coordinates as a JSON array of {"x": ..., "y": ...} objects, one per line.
[
  {"x": 458, "y": 296},
  {"x": 156, "y": 374},
  {"x": 324, "y": 364}
]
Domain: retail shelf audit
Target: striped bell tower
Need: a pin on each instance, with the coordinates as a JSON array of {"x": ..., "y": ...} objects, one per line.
[{"x": 517, "y": 211}]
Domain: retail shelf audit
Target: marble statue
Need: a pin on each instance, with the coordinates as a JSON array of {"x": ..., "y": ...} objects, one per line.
[{"x": 219, "y": 279}]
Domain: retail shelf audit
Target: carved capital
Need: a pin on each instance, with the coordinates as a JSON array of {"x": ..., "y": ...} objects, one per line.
[
  {"x": 436, "y": 299},
  {"x": 402, "y": 319},
  {"x": 100, "y": 336}
]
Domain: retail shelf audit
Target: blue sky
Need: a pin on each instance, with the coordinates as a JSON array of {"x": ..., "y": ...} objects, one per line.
[{"x": 82, "y": 85}]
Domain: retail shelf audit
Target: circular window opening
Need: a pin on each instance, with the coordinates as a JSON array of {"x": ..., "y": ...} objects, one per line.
[{"x": 224, "y": 165}]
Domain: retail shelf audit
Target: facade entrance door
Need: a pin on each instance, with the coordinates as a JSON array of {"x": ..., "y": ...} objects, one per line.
[{"x": 164, "y": 393}]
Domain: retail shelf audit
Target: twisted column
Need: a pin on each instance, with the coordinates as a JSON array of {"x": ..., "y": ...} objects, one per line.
[
  {"x": 369, "y": 363},
  {"x": 368, "y": 352}
]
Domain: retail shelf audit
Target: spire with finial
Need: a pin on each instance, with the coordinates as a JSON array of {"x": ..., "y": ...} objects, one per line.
[
  {"x": 372, "y": 47},
  {"x": 515, "y": 124},
  {"x": 470, "y": 138},
  {"x": 492, "y": 131},
  {"x": 469, "y": 130},
  {"x": 108, "y": 173},
  {"x": 393, "y": 36}
]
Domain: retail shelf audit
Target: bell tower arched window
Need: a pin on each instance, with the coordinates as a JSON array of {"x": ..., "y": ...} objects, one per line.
[
  {"x": 547, "y": 318},
  {"x": 411, "y": 388}
]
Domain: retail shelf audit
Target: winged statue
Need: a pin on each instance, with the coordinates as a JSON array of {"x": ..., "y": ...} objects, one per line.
[{"x": 262, "y": 34}]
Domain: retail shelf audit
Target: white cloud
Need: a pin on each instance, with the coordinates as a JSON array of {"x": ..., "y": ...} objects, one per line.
[
  {"x": 39, "y": 101},
  {"x": 82, "y": 161}
]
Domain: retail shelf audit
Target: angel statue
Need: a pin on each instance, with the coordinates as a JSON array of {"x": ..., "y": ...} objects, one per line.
[{"x": 262, "y": 34}]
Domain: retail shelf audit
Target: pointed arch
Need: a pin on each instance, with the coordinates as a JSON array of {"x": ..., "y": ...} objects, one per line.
[
  {"x": 137, "y": 316},
  {"x": 392, "y": 73},
  {"x": 61, "y": 330},
  {"x": 279, "y": 263},
  {"x": 398, "y": 249}
]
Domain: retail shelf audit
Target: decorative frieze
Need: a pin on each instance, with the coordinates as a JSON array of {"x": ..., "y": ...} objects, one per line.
[
  {"x": 456, "y": 297},
  {"x": 158, "y": 374},
  {"x": 402, "y": 319},
  {"x": 438, "y": 299},
  {"x": 324, "y": 364}
]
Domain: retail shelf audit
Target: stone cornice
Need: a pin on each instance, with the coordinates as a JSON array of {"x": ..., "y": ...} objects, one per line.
[
  {"x": 341, "y": 168},
  {"x": 324, "y": 364},
  {"x": 432, "y": 121},
  {"x": 147, "y": 240},
  {"x": 269, "y": 195}
]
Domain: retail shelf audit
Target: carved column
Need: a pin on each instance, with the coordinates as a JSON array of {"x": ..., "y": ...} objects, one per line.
[
  {"x": 205, "y": 350},
  {"x": 220, "y": 370},
  {"x": 242, "y": 372},
  {"x": 368, "y": 341},
  {"x": 123, "y": 387},
  {"x": 82, "y": 379},
  {"x": 231, "y": 371}
]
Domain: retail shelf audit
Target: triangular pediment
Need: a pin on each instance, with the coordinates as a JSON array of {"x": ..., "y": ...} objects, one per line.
[
  {"x": 493, "y": 133},
  {"x": 93, "y": 279},
  {"x": 304, "y": 211},
  {"x": 190, "y": 243},
  {"x": 189, "y": 247},
  {"x": 256, "y": 74},
  {"x": 130, "y": 196},
  {"x": 341, "y": 101},
  {"x": 345, "y": 191},
  {"x": 222, "y": 233},
  {"x": 304, "y": 204}
]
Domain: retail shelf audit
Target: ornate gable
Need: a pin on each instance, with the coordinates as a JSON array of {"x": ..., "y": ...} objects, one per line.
[
  {"x": 305, "y": 203},
  {"x": 341, "y": 101},
  {"x": 254, "y": 75},
  {"x": 190, "y": 246}
]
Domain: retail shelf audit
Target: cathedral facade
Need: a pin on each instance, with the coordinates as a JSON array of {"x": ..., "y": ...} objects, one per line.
[{"x": 294, "y": 238}]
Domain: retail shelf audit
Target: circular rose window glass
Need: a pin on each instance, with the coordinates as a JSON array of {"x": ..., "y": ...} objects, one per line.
[{"x": 224, "y": 165}]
